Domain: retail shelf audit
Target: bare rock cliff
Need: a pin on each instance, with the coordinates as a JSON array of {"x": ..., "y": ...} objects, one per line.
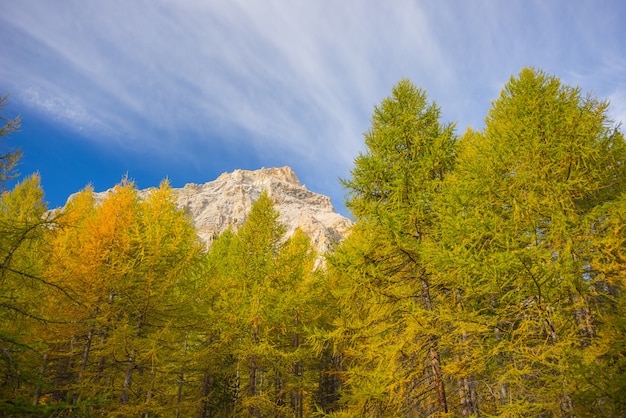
[{"x": 226, "y": 202}]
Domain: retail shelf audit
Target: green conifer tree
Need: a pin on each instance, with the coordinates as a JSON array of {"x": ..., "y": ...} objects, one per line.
[
  {"x": 259, "y": 287},
  {"x": 518, "y": 222},
  {"x": 390, "y": 304}
]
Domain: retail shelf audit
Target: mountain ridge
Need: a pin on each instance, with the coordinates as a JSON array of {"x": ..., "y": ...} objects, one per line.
[{"x": 226, "y": 201}]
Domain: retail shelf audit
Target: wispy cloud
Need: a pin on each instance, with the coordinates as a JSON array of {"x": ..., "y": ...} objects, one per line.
[
  {"x": 617, "y": 108},
  {"x": 237, "y": 62},
  {"x": 297, "y": 79}
]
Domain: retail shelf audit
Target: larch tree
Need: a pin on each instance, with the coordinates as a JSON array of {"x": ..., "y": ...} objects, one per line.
[
  {"x": 130, "y": 262},
  {"x": 601, "y": 373},
  {"x": 89, "y": 255},
  {"x": 9, "y": 157},
  {"x": 25, "y": 227},
  {"x": 214, "y": 363},
  {"x": 518, "y": 223},
  {"x": 295, "y": 308},
  {"x": 154, "y": 298},
  {"x": 259, "y": 294},
  {"x": 255, "y": 249},
  {"x": 23, "y": 291},
  {"x": 389, "y": 313}
]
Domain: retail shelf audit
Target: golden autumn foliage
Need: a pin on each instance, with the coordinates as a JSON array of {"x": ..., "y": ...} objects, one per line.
[{"x": 484, "y": 276}]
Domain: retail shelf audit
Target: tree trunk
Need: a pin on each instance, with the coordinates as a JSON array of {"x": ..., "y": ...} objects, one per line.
[
  {"x": 586, "y": 329},
  {"x": 181, "y": 378},
  {"x": 468, "y": 397},
  {"x": 329, "y": 385},
  {"x": 207, "y": 384},
  {"x": 252, "y": 389},
  {"x": 83, "y": 362},
  {"x": 42, "y": 372},
  {"x": 86, "y": 350},
  {"x": 296, "y": 394},
  {"x": 128, "y": 378},
  {"x": 254, "y": 373},
  {"x": 435, "y": 363},
  {"x": 467, "y": 385},
  {"x": 150, "y": 393}
]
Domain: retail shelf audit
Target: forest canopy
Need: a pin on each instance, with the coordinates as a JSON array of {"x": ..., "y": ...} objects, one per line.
[{"x": 484, "y": 276}]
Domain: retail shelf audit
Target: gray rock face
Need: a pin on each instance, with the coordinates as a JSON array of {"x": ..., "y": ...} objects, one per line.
[{"x": 226, "y": 202}]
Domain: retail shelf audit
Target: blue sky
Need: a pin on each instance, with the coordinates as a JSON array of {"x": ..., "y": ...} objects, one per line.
[{"x": 192, "y": 88}]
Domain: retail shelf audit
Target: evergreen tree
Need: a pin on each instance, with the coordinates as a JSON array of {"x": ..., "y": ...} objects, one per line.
[
  {"x": 388, "y": 326},
  {"x": 600, "y": 374},
  {"x": 154, "y": 297},
  {"x": 518, "y": 223},
  {"x": 130, "y": 263},
  {"x": 23, "y": 288},
  {"x": 9, "y": 157},
  {"x": 260, "y": 287}
]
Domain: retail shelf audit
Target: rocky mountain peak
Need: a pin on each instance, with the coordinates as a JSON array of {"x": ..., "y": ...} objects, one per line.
[
  {"x": 282, "y": 174},
  {"x": 226, "y": 202}
]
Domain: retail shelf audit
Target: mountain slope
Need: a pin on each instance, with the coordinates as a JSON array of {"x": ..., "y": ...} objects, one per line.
[{"x": 226, "y": 201}]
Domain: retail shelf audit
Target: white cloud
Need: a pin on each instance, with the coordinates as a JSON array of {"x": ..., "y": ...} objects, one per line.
[
  {"x": 617, "y": 108},
  {"x": 279, "y": 71},
  {"x": 295, "y": 78}
]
